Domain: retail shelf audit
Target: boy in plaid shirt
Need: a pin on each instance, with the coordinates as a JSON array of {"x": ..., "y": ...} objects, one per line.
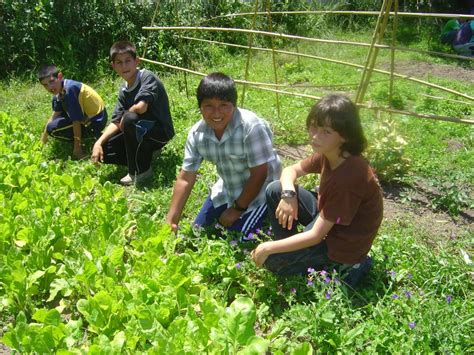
[{"x": 240, "y": 145}]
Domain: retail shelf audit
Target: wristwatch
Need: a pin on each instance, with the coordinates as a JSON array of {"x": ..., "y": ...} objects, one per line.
[
  {"x": 288, "y": 194},
  {"x": 236, "y": 207}
]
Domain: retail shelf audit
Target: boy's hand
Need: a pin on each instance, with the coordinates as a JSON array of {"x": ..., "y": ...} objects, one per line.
[
  {"x": 287, "y": 212},
  {"x": 229, "y": 216},
  {"x": 78, "y": 154},
  {"x": 44, "y": 137},
  {"x": 260, "y": 254},
  {"x": 97, "y": 153}
]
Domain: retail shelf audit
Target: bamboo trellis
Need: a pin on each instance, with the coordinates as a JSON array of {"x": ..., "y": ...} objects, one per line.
[{"x": 374, "y": 47}]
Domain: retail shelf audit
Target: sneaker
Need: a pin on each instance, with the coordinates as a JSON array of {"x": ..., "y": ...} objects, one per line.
[
  {"x": 128, "y": 179},
  {"x": 357, "y": 272}
]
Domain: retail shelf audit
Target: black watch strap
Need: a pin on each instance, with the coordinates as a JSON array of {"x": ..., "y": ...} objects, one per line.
[{"x": 288, "y": 194}]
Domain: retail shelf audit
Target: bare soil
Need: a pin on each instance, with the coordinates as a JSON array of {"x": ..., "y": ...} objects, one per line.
[
  {"x": 397, "y": 208},
  {"x": 422, "y": 70}
]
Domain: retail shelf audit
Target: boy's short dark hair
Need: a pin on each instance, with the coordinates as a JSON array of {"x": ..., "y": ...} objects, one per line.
[
  {"x": 342, "y": 115},
  {"x": 219, "y": 86},
  {"x": 122, "y": 47},
  {"x": 47, "y": 71}
]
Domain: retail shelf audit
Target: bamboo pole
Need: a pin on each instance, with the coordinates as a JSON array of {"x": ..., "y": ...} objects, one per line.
[
  {"x": 294, "y": 37},
  {"x": 392, "y": 52},
  {"x": 249, "y": 53},
  {"x": 365, "y": 106},
  {"x": 380, "y": 71},
  {"x": 180, "y": 47},
  {"x": 270, "y": 25},
  {"x": 363, "y": 13},
  {"x": 152, "y": 24},
  {"x": 373, "y": 51}
]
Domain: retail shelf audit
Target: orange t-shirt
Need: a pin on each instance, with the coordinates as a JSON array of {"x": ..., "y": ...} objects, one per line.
[{"x": 349, "y": 196}]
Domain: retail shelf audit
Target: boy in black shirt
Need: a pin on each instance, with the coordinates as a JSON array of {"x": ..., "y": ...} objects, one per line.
[{"x": 141, "y": 121}]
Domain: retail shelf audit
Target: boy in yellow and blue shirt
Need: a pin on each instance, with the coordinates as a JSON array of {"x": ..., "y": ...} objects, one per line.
[{"x": 78, "y": 111}]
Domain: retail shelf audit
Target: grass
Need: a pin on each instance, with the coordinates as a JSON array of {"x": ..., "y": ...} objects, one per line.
[{"x": 88, "y": 265}]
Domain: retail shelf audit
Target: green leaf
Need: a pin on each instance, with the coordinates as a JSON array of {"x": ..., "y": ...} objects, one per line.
[
  {"x": 117, "y": 343},
  {"x": 302, "y": 349},
  {"x": 240, "y": 319},
  {"x": 56, "y": 286},
  {"x": 116, "y": 255},
  {"x": 255, "y": 345}
]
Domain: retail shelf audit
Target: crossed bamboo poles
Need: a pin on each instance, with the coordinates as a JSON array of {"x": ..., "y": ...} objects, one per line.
[{"x": 368, "y": 68}]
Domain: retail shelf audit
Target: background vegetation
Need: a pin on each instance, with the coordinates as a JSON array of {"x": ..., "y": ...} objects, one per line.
[{"x": 87, "y": 266}]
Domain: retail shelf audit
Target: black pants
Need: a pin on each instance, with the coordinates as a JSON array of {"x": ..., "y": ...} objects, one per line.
[{"x": 134, "y": 146}]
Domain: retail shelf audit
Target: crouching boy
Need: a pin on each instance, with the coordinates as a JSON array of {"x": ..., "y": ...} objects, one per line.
[
  {"x": 141, "y": 121},
  {"x": 240, "y": 145},
  {"x": 78, "y": 111}
]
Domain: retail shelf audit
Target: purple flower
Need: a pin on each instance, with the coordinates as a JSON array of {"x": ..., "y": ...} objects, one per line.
[
  {"x": 323, "y": 273},
  {"x": 392, "y": 273},
  {"x": 258, "y": 231},
  {"x": 238, "y": 266},
  {"x": 328, "y": 295},
  {"x": 395, "y": 297},
  {"x": 410, "y": 276},
  {"x": 218, "y": 226},
  {"x": 449, "y": 298},
  {"x": 412, "y": 325},
  {"x": 233, "y": 243},
  {"x": 311, "y": 270},
  {"x": 293, "y": 290},
  {"x": 408, "y": 294},
  {"x": 250, "y": 236},
  {"x": 310, "y": 283},
  {"x": 327, "y": 280}
]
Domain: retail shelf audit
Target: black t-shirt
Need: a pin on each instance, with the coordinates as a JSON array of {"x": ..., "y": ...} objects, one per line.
[{"x": 148, "y": 88}]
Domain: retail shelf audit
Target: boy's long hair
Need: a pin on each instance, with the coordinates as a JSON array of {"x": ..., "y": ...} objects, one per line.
[
  {"x": 122, "y": 47},
  {"x": 47, "y": 71},
  {"x": 341, "y": 114},
  {"x": 219, "y": 86}
]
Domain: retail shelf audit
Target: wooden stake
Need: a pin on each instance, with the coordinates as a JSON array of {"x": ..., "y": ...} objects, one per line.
[
  {"x": 392, "y": 53},
  {"x": 249, "y": 53},
  {"x": 270, "y": 26}
]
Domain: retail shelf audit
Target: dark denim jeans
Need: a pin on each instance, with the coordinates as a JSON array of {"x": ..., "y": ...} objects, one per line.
[{"x": 298, "y": 262}]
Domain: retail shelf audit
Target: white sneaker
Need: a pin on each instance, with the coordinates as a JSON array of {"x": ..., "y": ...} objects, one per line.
[{"x": 128, "y": 179}]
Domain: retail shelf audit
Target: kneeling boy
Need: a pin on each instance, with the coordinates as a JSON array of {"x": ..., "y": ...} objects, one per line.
[
  {"x": 240, "y": 145},
  {"x": 78, "y": 111}
]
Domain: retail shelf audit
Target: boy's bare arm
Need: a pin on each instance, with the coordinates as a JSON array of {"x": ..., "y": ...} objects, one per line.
[
  {"x": 287, "y": 210},
  {"x": 97, "y": 150},
  {"x": 140, "y": 107},
  {"x": 252, "y": 187},
  {"x": 77, "y": 136},
  {"x": 181, "y": 191},
  {"x": 44, "y": 135}
]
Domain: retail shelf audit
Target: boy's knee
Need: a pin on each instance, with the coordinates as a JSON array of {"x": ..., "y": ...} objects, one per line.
[
  {"x": 129, "y": 119},
  {"x": 50, "y": 128},
  {"x": 273, "y": 192}
]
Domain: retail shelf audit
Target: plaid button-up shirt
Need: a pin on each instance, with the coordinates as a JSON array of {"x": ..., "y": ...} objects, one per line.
[{"x": 246, "y": 143}]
